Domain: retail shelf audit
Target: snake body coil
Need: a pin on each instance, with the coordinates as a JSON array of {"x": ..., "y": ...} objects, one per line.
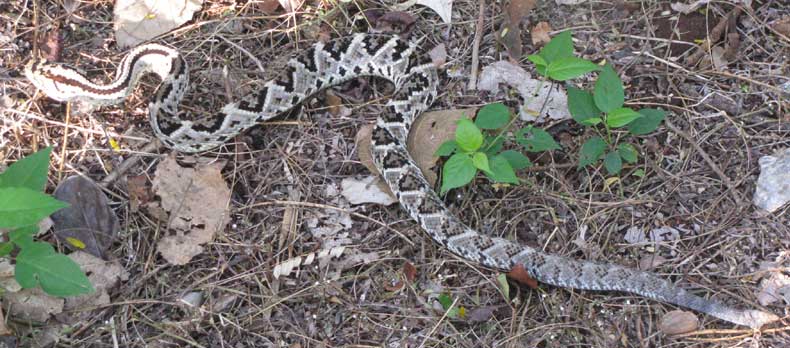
[{"x": 415, "y": 80}]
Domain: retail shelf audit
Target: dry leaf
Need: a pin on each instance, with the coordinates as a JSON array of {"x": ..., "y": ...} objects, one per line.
[
  {"x": 782, "y": 26},
  {"x": 481, "y": 314},
  {"x": 32, "y": 304},
  {"x": 409, "y": 271},
  {"x": 267, "y": 6},
  {"x": 428, "y": 132},
  {"x": 520, "y": 275},
  {"x": 717, "y": 57},
  {"x": 443, "y": 8},
  {"x": 775, "y": 285},
  {"x": 4, "y": 331},
  {"x": 103, "y": 275},
  {"x": 197, "y": 200},
  {"x": 395, "y": 22},
  {"x": 139, "y": 190},
  {"x": 88, "y": 219},
  {"x": 334, "y": 103},
  {"x": 678, "y": 322},
  {"x": 136, "y": 21},
  {"x": 534, "y": 92},
  {"x": 370, "y": 189},
  {"x": 394, "y": 286},
  {"x": 438, "y": 55},
  {"x": 540, "y": 34},
  {"x": 511, "y": 26}
]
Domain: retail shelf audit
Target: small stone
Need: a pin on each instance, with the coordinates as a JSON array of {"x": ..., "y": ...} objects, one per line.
[{"x": 773, "y": 185}]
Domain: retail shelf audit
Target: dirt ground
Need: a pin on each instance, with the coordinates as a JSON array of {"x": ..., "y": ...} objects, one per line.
[{"x": 700, "y": 172}]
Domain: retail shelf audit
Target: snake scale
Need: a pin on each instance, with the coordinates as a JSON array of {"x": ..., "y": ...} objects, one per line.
[{"x": 415, "y": 79}]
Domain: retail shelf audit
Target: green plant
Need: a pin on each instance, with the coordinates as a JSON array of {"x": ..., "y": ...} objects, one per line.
[
  {"x": 22, "y": 206},
  {"x": 478, "y": 146},
  {"x": 603, "y": 109}
]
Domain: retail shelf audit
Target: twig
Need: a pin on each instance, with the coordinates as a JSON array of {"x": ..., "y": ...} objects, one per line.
[
  {"x": 129, "y": 163},
  {"x": 724, "y": 178},
  {"x": 324, "y": 206},
  {"x": 476, "y": 47}
]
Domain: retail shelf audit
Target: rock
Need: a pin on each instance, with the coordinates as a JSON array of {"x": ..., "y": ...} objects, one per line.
[{"x": 773, "y": 185}]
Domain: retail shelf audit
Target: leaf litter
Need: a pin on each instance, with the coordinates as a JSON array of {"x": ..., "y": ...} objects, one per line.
[{"x": 197, "y": 202}]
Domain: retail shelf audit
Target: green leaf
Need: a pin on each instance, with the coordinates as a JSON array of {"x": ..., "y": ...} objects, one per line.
[
  {"x": 541, "y": 65},
  {"x": 493, "y": 116},
  {"x": 446, "y": 301},
  {"x": 23, "y": 236},
  {"x": 648, "y": 123},
  {"x": 447, "y": 148},
  {"x": 457, "y": 171},
  {"x": 21, "y": 206},
  {"x": 582, "y": 107},
  {"x": 613, "y": 163},
  {"x": 536, "y": 140},
  {"x": 621, "y": 116},
  {"x": 493, "y": 145},
  {"x": 570, "y": 67},
  {"x": 39, "y": 265},
  {"x": 6, "y": 248},
  {"x": 608, "y": 93},
  {"x": 591, "y": 151},
  {"x": 592, "y": 121},
  {"x": 639, "y": 173},
  {"x": 628, "y": 152},
  {"x": 516, "y": 159},
  {"x": 480, "y": 161},
  {"x": 501, "y": 278},
  {"x": 501, "y": 171},
  {"x": 560, "y": 46},
  {"x": 468, "y": 136},
  {"x": 29, "y": 172}
]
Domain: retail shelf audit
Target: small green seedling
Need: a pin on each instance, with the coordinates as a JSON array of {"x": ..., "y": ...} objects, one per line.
[
  {"x": 603, "y": 107},
  {"x": 22, "y": 206},
  {"x": 478, "y": 146}
]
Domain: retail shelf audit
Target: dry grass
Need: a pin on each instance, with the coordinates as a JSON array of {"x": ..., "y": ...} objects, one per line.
[{"x": 723, "y": 238}]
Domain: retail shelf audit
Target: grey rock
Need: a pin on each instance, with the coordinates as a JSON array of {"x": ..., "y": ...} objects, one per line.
[{"x": 773, "y": 185}]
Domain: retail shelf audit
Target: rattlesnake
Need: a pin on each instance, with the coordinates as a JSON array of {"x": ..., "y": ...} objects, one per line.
[{"x": 415, "y": 78}]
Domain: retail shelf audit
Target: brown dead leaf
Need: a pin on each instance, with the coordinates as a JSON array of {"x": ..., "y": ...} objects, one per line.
[
  {"x": 4, "y": 331},
  {"x": 197, "y": 200},
  {"x": 103, "y": 275},
  {"x": 428, "y": 132},
  {"x": 394, "y": 286},
  {"x": 520, "y": 275},
  {"x": 362, "y": 140},
  {"x": 678, "y": 322},
  {"x": 409, "y": 271},
  {"x": 782, "y": 26},
  {"x": 540, "y": 34},
  {"x": 481, "y": 314},
  {"x": 268, "y": 7},
  {"x": 395, "y": 22},
  {"x": 511, "y": 30},
  {"x": 139, "y": 191},
  {"x": 88, "y": 223},
  {"x": 32, "y": 304},
  {"x": 334, "y": 103}
]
